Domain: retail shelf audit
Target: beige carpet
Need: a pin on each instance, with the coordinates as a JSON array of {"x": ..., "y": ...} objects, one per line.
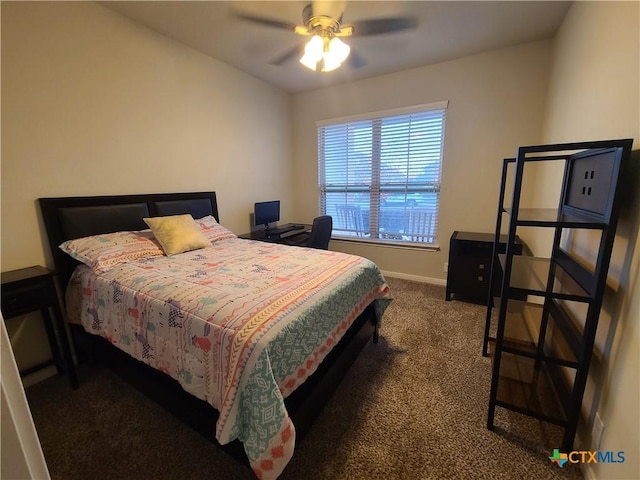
[{"x": 413, "y": 406}]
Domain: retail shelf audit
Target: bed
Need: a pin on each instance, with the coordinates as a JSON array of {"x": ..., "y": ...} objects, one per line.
[{"x": 243, "y": 340}]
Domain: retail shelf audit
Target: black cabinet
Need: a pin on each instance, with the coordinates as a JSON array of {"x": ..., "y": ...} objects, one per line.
[
  {"x": 468, "y": 275},
  {"x": 542, "y": 347},
  {"x": 33, "y": 289}
]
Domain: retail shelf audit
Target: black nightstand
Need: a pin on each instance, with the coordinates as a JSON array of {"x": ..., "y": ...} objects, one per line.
[
  {"x": 33, "y": 289},
  {"x": 470, "y": 266}
]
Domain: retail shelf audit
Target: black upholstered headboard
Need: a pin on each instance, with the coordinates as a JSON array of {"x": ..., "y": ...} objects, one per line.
[{"x": 66, "y": 218}]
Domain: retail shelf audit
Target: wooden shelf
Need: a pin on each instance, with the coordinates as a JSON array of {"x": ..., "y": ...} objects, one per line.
[
  {"x": 526, "y": 389},
  {"x": 521, "y": 333},
  {"x": 529, "y": 275},
  {"x": 522, "y": 387},
  {"x": 552, "y": 217}
]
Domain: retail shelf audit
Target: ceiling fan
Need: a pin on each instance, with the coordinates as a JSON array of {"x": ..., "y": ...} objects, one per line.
[{"x": 322, "y": 21}]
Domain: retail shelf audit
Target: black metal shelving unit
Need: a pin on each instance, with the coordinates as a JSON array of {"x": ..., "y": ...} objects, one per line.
[{"x": 541, "y": 358}]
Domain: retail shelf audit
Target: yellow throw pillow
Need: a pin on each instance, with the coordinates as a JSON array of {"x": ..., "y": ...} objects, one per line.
[{"x": 177, "y": 233}]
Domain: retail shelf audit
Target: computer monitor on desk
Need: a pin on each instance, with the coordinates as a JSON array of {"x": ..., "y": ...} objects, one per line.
[{"x": 265, "y": 213}]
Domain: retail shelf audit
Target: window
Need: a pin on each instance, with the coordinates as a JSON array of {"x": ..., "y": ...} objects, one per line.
[{"x": 379, "y": 174}]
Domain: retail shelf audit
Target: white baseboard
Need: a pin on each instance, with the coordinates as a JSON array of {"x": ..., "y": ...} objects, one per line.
[
  {"x": 415, "y": 278},
  {"x": 39, "y": 376}
]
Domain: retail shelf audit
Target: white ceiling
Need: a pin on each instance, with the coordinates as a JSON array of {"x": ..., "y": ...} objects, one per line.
[{"x": 446, "y": 30}]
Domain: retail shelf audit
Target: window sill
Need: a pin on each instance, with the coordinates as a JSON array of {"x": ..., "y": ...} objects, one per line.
[{"x": 387, "y": 244}]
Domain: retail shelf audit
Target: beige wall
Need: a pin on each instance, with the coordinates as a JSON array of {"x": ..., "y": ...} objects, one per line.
[
  {"x": 93, "y": 103},
  {"x": 594, "y": 95},
  {"x": 496, "y": 103}
]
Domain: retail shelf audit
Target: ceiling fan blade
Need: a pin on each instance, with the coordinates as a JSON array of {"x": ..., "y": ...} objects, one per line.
[
  {"x": 383, "y": 25},
  {"x": 355, "y": 60},
  {"x": 288, "y": 55},
  {"x": 268, "y": 22}
]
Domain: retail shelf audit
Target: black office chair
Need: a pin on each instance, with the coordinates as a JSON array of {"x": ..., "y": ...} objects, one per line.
[{"x": 318, "y": 237}]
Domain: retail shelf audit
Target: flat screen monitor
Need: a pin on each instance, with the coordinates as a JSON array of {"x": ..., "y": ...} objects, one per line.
[{"x": 266, "y": 212}]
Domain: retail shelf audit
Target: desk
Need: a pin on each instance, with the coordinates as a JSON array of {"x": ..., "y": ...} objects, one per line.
[
  {"x": 260, "y": 234},
  {"x": 33, "y": 289}
]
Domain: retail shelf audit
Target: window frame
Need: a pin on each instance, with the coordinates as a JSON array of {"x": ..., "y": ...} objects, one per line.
[{"x": 374, "y": 189}]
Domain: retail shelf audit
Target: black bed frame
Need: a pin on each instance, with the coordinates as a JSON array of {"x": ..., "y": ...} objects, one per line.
[{"x": 66, "y": 218}]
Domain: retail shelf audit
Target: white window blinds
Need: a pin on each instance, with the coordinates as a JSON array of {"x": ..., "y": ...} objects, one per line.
[{"x": 379, "y": 177}]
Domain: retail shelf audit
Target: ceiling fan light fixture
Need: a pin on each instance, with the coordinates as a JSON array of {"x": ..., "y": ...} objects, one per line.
[
  {"x": 331, "y": 52},
  {"x": 329, "y": 64},
  {"x": 322, "y": 22},
  {"x": 313, "y": 52},
  {"x": 338, "y": 50}
]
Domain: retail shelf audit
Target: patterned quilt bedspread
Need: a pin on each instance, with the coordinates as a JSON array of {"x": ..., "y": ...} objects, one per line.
[{"x": 240, "y": 325}]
